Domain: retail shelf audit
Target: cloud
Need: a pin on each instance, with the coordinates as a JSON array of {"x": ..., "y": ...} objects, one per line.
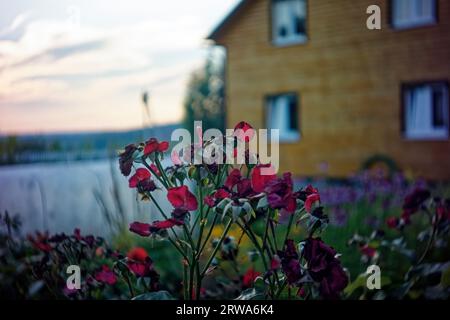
[
  {"x": 59, "y": 76},
  {"x": 17, "y": 27},
  {"x": 53, "y": 54}
]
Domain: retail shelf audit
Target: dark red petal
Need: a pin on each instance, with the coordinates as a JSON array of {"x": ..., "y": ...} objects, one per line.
[
  {"x": 142, "y": 229},
  {"x": 243, "y": 130},
  {"x": 163, "y": 146},
  {"x": 166, "y": 224},
  {"x": 233, "y": 178},
  {"x": 259, "y": 180},
  {"x": 138, "y": 254},
  {"x": 310, "y": 200},
  {"x": 181, "y": 197},
  {"x": 150, "y": 146}
]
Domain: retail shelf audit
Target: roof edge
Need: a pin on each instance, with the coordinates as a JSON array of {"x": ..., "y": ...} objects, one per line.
[{"x": 214, "y": 35}]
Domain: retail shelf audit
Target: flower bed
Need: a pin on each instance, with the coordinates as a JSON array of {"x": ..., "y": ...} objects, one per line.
[{"x": 236, "y": 232}]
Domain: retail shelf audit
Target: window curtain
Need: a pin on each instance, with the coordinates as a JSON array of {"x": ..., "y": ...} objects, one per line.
[
  {"x": 282, "y": 21},
  {"x": 279, "y": 117},
  {"x": 418, "y": 113}
]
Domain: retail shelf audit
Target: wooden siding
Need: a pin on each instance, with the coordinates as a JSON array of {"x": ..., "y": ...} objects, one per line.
[{"x": 348, "y": 79}]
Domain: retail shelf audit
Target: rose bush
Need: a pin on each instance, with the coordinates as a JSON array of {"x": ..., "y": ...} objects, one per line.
[{"x": 204, "y": 196}]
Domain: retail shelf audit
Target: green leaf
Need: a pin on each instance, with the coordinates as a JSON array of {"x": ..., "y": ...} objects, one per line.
[
  {"x": 445, "y": 278},
  {"x": 251, "y": 294},
  {"x": 262, "y": 203},
  {"x": 158, "y": 295},
  {"x": 359, "y": 282}
]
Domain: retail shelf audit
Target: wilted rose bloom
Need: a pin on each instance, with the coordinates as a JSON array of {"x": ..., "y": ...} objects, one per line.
[
  {"x": 259, "y": 180},
  {"x": 142, "y": 229},
  {"x": 106, "y": 275},
  {"x": 182, "y": 198},
  {"x": 152, "y": 145},
  {"x": 289, "y": 262},
  {"x": 310, "y": 200},
  {"x": 244, "y": 131},
  {"x": 280, "y": 194},
  {"x": 303, "y": 194},
  {"x": 126, "y": 159},
  {"x": 165, "y": 224},
  {"x": 142, "y": 180},
  {"x": 139, "y": 262},
  {"x": 232, "y": 179},
  {"x": 235, "y": 187},
  {"x": 145, "y": 229},
  {"x": 249, "y": 278},
  {"x": 325, "y": 268}
]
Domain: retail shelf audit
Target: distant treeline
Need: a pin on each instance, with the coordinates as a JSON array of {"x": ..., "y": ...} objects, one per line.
[{"x": 73, "y": 146}]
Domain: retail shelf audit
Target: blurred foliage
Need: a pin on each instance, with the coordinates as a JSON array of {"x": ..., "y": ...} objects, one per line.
[{"x": 205, "y": 95}]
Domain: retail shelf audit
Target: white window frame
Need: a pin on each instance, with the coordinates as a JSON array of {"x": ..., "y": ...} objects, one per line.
[
  {"x": 282, "y": 117},
  {"x": 413, "y": 19},
  {"x": 418, "y": 111},
  {"x": 292, "y": 38}
]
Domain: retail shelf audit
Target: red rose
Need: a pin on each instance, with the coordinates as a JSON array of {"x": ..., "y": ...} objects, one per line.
[
  {"x": 182, "y": 198},
  {"x": 151, "y": 146},
  {"x": 244, "y": 131},
  {"x": 249, "y": 278},
  {"x": 140, "y": 175},
  {"x": 310, "y": 200},
  {"x": 233, "y": 178},
  {"x": 166, "y": 224},
  {"x": 145, "y": 229},
  {"x": 138, "y": 254},
  {"x": 260, "y": 181},
  {"x": 163, "y": 146},
  {"x": 221, "y": 194},
  {"x": 142, "y": 229}
]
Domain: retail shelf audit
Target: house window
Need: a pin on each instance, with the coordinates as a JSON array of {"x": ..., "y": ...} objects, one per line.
[
  {"x": 413, "y": 13},
  {"x": 288, "y": 22},
  {"x": 426, "y": 111},
  {"x": 282, "y": 114}
]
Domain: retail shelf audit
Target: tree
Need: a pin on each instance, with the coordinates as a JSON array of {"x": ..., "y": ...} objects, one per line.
[{"x": 206, "y": 94}]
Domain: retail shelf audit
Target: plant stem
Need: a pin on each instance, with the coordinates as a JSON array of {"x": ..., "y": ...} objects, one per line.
[
  {"x": 163, "y": 172},
  {"x": 429, "y": 244},
  {"x": 154, "y": 173},
  {"x": 288, "y": 230},
  {"x": 219, "y": 244}
]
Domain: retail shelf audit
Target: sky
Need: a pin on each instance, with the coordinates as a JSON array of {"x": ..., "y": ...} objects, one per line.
[{"x": 82, "y": 65}]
